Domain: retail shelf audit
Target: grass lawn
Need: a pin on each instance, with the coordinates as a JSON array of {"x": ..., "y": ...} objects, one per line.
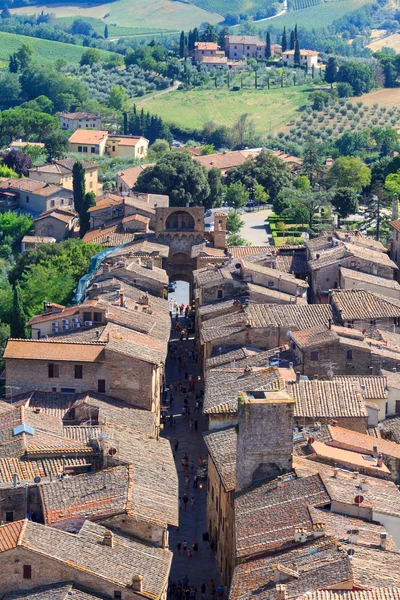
[
  {"x": 116, "y": 30},
  {"x": 143, "y": 14},
  {"x": 46, "y": 51},
  {"x": 314, "y": 17},
  {"x": 269, "y": 109}
]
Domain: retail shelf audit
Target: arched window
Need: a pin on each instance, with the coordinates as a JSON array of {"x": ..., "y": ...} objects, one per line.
[{"x": 180, "y": 220}]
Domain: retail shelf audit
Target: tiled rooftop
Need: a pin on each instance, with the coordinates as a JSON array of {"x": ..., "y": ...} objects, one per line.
[
  {"x": 368, "y": 278},
  {"x": 359, "y": 442},
  {"x": 266, "y": 516},
  {"x": 53, "y": 349},
  {"x": 85, "y": 551},
  {"x": 315, "y": 336},
  {"x": 363, "y": 305},
  {"x": 221, "y": 446},
  {"x": 334, "y": 399},
  {"x": 58, "y": 591},
  {"x": 222, "y": 386},
  {"x": 301, "y": 317},
  {"x": 373, "y": 387},
  {"x": 389, "y": 593}
]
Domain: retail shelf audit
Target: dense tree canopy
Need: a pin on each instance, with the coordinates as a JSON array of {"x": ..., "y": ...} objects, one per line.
[
  {"x": 177, "y": 175},
  {"x": 266, "y": 169},
  {"x": 25, "y": 124},
  {"x": 350, "y": 172}
]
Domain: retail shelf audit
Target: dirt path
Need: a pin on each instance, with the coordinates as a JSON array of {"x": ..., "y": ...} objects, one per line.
[{"x": 173, "y": 88}]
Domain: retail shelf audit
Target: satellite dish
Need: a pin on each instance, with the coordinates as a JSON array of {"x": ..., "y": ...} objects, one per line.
[
  {"x": 112, "y": 452},
  {"x": 351, "y": 551},
  {"x": 330, "y": 373},
  {"x": 238, "y": 266},
  {"x": 359, "y": 499},
  {"x": 288, "y": 334},
  {"x": 37, "y": 479},
  {"x": 310, "y": 440}
]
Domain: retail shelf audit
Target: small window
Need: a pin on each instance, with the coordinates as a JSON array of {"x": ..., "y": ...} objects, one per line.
[
  {"x": 27, "y": 572},
  {"x": 314, "y": 356},
  {"x": 220, "y": 293},
  {"x": 87, "y": 316},
  {"x": 27, "y": 199},
  {"x": 270, "y": 284},
  {"x": 349, "y": 355},
  {"x": 118, "y": 595},
  {"x": 79, "y": 148},
  {"x": 52, "y": 203},
  {"x": 113, "y": 148},
  {"x": 85, "y": 149},
  {"x": 397, "y": 406},
  {"x": 93, "y": 150},
  {"x": 62, "y": 201},
  {"x": 67, "y": 390},
  {"x": 101, "y": 386},
  {"x": 97, "y": 317},
  {"x": 54, "y": 370},
  {"x": 78, "y": 371},
  {"x": 9, "y": 516}
]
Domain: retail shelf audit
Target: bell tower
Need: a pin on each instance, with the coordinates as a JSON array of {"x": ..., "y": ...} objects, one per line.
[{"x": 220, "y": 230}]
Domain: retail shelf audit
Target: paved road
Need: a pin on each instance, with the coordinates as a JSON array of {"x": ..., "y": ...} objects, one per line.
[
  {"x": 202, "y": 567},
  {"x": 255, "y": 228},
  {"x": 173, "y": 88}
]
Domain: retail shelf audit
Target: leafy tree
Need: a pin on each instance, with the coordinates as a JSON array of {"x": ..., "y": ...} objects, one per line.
[
  {"x": 18, "y": 161},
  {"x": 297, "y": 57},
  {"x": 159, "y": 147},
  {"x": 268, "y": 52},
  {"x": 234, "y": 239},
  {"x": 292, "y": 40},
  {"x": 352, "y": 143},
  {"x": 344, "y": 90},
  {"x": 319, "y": 99},
  {"x": 311, "y": 202},
  {"x": 65, "y": 92},
  {"x": 209, "y": 34},
  {"x": 177, "y": 175},
  {"x": 118, "y": 97},
  {"x": 392, "y": 183},
  {"x": 350, "y": 172},
  {"x": 266, "y": 169},
  {"x": 7, "y": 172},
  {"x": 386, "y": 139},
  {"x": 236, "y": 195},
  {"x": 207, "y": 149},
  {"x": 345, "y": 202},
  {"x": 13, "y": 65},
  {"x": 25, "y": 124},
  {"x": 91, "y": 56},
  {"x": 284, "y": 40},
  {"x": 106, "y": 32},
  {"x": 234, "y": 222},
  {"x": 14, "y": 226},
  {"x": 302, "y": 183},
  {"x": 331, "y": 70},
  {"x": 361, "y": 76},
  {"x": 81, "y": 27},
  {"x": 24, "y": 56},
  {"x": 18, "y": 318},
  {"x": 182, "y": 45},
  {"x": 259, "y": 194},
  {"x": 84, "y": 217},
  {"x": 216, "y": 187},
  {"x": 312, "y": 159},
  {"x": 40, "y": 104},
  {"x": 10, "y": 90},
  {"x": 78, "y": 186},
  {"x": 5, "y": 13},
  {"x": 4, "y": 335}
]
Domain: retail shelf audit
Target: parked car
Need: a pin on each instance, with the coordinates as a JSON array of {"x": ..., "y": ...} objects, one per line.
[
  {"x": 208, "y": 213},
  {"x": 171, "y": 287},
  {"x": 251, "y": 204}
]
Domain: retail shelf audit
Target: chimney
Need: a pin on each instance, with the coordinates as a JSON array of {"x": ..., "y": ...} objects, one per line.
[
  {"x": 165, "y": 539},
  {"x": 300, "y": 535},
  {"x": 265, "y": 437},
  {"x": 149, "y": 263},
  {"x": 383, "y": 542},
  {"x": 315, "y": 376},
  {"x": 375, "y": 451},
  {"x": 329, "y": 324},
  {"x": 45, "y": 306},
  {"x": 137, "y": 583},
  {"x": 298, "y": 376},
  {"x": 364, "y": 485},
  {"x": 280, "y": 592},
  {"x": 121, "y": 299},
  {"x": 379, "y": 460},
  {"x": 355, "y": 474},
  {"x": 108, "y": 539},
  {"x": 318, "y": 530},
  {"x": 15, "y": 479},
  {"x": 336, "y": 473},
  {"x": 353, "y": 535}
]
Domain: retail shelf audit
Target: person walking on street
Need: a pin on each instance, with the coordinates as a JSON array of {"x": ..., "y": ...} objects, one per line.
[
  {"x": 192, "y": 502},
  {"x": 212, "y": 589},
  {"x": 195, "y": 481},
  {"x": 176, "y": 445},
  {"x": 189, "y": 553},
  {"x": 179, "y": 546},
  {"x": 185, "y": 501},
  {"x": 203, "y": 591},
  {"x": 184, "y": 545},
  {"x": 220, "y": 591},
  {"x": 195, "y": 547}
]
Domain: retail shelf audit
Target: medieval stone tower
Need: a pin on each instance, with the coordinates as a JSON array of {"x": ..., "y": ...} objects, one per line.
[
  {"x": 219, "y": 235},
  {"x": 265, "y": 437}
]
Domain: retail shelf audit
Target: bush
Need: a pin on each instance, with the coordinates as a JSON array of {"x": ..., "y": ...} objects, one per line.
[{"x": 345, "y": 90}]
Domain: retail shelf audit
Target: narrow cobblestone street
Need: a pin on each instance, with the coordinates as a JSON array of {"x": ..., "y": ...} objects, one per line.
[{"x": 202, "y": 567}]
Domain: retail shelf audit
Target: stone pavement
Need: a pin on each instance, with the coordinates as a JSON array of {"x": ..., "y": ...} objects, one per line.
[{"x": 202, "y": 567}]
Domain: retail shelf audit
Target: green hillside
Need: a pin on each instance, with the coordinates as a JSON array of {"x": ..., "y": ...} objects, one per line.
[{"x": 46, "y": 51}]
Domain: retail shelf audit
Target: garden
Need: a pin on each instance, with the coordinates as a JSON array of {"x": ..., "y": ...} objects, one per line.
[{"x": 285, "y": 230}]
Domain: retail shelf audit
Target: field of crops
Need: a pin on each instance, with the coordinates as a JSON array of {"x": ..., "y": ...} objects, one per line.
[
  {"x": 143, "y": 14},
  {"x": 320, "y": 15},
  {"x": 116, "y": 30},
  {"x": 300, "y": 4},
  {"x": 46, "y": 51},
  {"x": 223, "y": 107}
]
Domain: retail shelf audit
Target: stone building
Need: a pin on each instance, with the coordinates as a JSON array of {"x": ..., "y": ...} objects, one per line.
[
  {"x": 56, "y": 222},
  {"x": 79, "y": 120},
  {"x": 59, "y": 172},
  {"x": 32, "y": 196},
  {"x": 350, "y": 280},
  {"x": 244, "y": 46},
  {"x": 104, "y": 562},
  {"x": 364, "y": 310}
]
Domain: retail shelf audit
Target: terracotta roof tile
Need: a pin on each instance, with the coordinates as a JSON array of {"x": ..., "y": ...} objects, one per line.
[
  {"x": 362, "y": 305},
  {"x": 88, "y": 136},
  {"x": 327, "y": 399},
  {"x": 373, "y": 387},
  {"x": 54, "y": 350},
  {"x": 315, "y": 336},
  {"x": 221, "y": 446}
]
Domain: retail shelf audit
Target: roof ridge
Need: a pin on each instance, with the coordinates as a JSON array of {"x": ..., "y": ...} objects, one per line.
[
  {"x": 22, "y": 532},
  {"x": 57, "y": 341}
]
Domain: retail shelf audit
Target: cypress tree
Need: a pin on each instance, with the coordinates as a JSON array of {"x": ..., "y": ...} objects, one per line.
[
  {"x": 296, "y": 37},
  {"x": 182, "y": 45},
  {"x": 125, "y": 123},
  {"x": 268, "y": 46},
  {"x": 78, "y": 185},
  {"x": 195, "y": 35},
  {"x": 18, "y": 318},
  {"x": 331, "y": 70},
  {"x": 190, "y": 40},
  {"x": 284, "y": 40},
  {"x": 88, "y": 201},
  {"x": 297, "y": 53},
  {"x": 106, "y": 32},
  {"x": 292, "y": 40}
]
